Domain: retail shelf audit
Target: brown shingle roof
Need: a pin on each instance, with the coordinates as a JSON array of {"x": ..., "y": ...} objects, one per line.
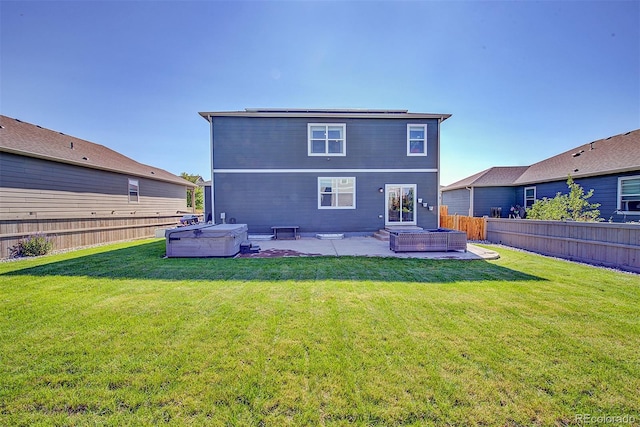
[
  {"x": 616, "y": 154},
  {"x": 34, "y": 141},
  {"x": 493, "y": 177}
]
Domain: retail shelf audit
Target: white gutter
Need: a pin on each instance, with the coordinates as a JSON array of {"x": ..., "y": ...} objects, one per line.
[{"x": 342, "y": 114}]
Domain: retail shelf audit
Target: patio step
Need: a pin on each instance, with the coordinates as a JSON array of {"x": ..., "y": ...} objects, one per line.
[
  {"x": 403, "y": 228},
  {"x": 382, "y": 234}
]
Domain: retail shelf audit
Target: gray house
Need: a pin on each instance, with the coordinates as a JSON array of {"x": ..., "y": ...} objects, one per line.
[
  {"x": 347, "y": 171},
  {"x": 81, "y": 192},
  {"x": 610, "y": 166}
]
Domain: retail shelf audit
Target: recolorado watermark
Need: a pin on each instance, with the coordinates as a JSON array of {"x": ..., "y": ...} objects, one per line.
[{"x": 582, "y": 419}]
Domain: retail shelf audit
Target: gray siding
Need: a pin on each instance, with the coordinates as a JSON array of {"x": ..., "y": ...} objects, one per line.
[
  {"x": 486, "y": 198},
  {"x": 456, "y": 201},
  {"x": 263, "y": 200},
  {"x": 276, "y": 143},
  {"x": 605, "y": 192},
  {"x": 269, "y": 199},
  {"x": 547, "y": 189},
  {"x": 33, "y": 188}
]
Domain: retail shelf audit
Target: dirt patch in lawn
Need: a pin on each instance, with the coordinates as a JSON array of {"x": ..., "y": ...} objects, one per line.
[{"x": 276, "y": 253}]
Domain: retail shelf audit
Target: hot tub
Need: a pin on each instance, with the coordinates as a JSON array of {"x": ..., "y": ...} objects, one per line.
[{"x": 205, "y": 240}]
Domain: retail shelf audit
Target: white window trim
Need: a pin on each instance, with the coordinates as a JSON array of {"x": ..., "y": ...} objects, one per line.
[
  {"x": 137, "y": 184},
  {"x": 336, "y": 207},
  {"x": 535, "y": 196},
  {"x": 619, "y": 201},
  {"x": 326, "y": 147},
  {"x": 409, "y": 126},
  {"x": 386, "y": 204}
]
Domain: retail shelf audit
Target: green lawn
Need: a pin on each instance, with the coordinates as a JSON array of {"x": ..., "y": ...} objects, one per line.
[{"x": 117, "y": 335}]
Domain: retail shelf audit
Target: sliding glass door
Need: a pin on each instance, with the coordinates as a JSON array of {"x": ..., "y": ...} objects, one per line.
[{"x": 400, "y": 204}]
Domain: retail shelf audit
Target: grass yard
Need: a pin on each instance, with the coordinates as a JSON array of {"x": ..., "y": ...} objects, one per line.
[{"x": 117, "y": 335}]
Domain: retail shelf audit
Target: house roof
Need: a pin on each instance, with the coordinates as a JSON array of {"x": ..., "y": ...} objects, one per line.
[
  {"x": 30, "y": 140},
  {"x": 616, "y": 154},
  {"x": 498, "y": 176},
  {"x": 328, "y": 113}
]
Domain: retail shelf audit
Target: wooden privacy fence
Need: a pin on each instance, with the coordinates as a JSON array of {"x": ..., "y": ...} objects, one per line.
[
  {"x": 78, "y": 232},
  {"x": 610, "y": 244},
  {"x": 476, "y": 228}
]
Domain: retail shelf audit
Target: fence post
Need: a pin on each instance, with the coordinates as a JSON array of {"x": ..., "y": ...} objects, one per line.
[{"x": 484, "y": 228}]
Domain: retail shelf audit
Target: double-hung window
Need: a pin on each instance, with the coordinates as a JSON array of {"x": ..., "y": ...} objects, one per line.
[
  {"x": 529, "y": 196},
  {"x": 336, "y": 193},
  {"x": 327, "y": 139},
  {"x": 629, "y": 194},
  {"x": 416, "y": 140},
  {"x": 134, "y": 190}
]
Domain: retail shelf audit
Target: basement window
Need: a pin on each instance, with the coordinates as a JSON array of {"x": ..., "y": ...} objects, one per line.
[{"x": 134, "y": 191}]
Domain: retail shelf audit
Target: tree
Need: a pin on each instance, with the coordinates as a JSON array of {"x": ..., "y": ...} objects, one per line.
[
  {"x": 199, "y": 191},
  {"x": 573, "y": 206}
]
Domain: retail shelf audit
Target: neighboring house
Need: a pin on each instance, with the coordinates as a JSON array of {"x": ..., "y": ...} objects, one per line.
[
  {"x": 610, "y": 166},
  {"x": 53, "y": 178},
  {"x": 347, "y": 171}
]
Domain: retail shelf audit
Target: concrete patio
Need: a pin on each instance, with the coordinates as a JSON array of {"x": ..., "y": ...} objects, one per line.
[{"x": 357, "y": 246}]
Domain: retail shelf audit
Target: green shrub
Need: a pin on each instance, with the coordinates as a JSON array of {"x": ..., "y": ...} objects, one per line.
[
  {"x": 572, "y": 206},
  {"x": 34, "y": 245}
]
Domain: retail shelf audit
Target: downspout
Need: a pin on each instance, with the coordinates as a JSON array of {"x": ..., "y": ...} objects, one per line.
[
  {"x": 213, "y": 204},
  {"x": 193, "y": 199},
  {"x": 470, "y": 200},
  {"x": 438, "y": 200}
]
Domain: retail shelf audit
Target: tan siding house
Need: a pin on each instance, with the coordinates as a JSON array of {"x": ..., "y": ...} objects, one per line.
[{"x": 79, "y": 192}]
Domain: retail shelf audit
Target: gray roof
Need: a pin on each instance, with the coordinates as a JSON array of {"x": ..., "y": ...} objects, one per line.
[
  {"x": 326, "y": 113},
  {"x": 29, "y": 140},
  {"x": 493, "y": 177},
  {"x": 616, "y": 154}
]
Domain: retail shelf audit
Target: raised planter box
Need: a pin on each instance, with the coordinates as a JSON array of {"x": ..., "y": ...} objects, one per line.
[{"x": 438, "y": 240}]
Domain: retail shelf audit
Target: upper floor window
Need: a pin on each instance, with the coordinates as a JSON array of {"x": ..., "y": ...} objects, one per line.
[
  {"x": 416, "y": 140},
  {"x": 629, "y": 194},
  {"x": 327, "y": 139},
  {"x": 134, "y": 190},
  {"x": 529, "y": 196},
  {"x": 337, "y": 193}
]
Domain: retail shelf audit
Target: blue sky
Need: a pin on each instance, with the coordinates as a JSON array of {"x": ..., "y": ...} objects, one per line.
[{"x": 524, "y": 80}]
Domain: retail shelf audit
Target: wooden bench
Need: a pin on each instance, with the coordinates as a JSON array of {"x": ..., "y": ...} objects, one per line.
[{"x": 286, "y": 232}]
